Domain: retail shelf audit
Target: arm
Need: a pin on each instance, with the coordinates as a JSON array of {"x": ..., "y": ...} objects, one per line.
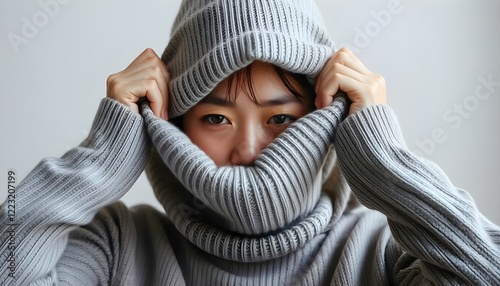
[
  {"x": 446, "y": 239},
  {"x": 60, "y": 194}
]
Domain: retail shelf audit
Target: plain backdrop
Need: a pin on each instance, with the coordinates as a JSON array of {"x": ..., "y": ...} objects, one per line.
[{"x": 440, "y": 59}]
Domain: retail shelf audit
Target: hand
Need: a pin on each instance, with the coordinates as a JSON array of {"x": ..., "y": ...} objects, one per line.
[
  {"x": 345, "y": 71},
  {"x": 146, "y": 76}
]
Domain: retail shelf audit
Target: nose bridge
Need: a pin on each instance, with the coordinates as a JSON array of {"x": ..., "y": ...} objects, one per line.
[{"x": 250, "y": 142}]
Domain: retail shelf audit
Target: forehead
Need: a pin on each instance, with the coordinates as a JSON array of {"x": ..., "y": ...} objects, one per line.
[{"x": 259, "y": 81}]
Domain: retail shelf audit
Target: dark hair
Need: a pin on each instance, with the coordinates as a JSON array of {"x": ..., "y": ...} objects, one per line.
[{"x": 243, "y": 78}]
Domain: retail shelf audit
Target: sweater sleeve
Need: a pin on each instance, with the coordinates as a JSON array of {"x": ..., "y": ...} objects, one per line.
[
  {"x": 445, "y": 238},
  {"x": 60, "y": 194}
]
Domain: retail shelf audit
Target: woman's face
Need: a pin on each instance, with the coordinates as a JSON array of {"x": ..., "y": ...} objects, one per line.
[{"x": 234, "y": 132}]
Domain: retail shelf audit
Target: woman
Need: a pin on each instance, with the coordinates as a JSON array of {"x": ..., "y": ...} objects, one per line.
[{"x": 255, "y": 174}]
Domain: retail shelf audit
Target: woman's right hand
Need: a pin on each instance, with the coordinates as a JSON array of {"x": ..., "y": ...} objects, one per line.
[{"x": 146, "y": 76}]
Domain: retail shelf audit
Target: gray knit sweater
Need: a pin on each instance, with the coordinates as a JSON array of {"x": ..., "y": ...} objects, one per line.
[{"x": 403, "y": 224}]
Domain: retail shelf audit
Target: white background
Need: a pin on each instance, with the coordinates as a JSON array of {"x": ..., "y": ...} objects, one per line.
[{"x": 432, "y": 54}]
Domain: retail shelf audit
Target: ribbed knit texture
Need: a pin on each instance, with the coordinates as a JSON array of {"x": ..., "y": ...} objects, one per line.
[
  {"x": 45, "y": 212},
  {"x": 282, "y": 186},
  {"x": 213, "y": 38},
  {"x": 427, "y": 231},
  {"x": 290, "y": 219}
]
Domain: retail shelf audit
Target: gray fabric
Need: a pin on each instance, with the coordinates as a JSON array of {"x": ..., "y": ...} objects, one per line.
[
  {"x": 282, "y": 186},
  {"x": 213, "y": 38},
  {"x": 289, "y": 219},
  {"x": 423, "y": 230}
]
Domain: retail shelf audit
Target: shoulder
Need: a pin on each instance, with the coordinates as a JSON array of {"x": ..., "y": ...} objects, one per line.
[
  {"x": 121, "y": 244},
  {"x": 117, "y": 220}
]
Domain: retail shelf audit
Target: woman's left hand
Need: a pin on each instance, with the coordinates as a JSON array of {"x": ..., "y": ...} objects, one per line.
[{"x": 345, "y": 71}]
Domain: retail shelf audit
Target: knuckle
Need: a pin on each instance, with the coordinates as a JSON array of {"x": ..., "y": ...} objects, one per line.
[
  {"x": 378, "y": 78},
  {"x": 150, "y": 84},
  {"x": 344, "y": 49},
  {"x": 336, "y": 76},
  {"x": 155, "y": 70},
  {"x": 326, "y": 91},
  {"x": 155, "y": 59},
  {"x": 116, "y": 89},
  {"x": 342, "y": 54},
  {"x": 331, "y": 59},
  {"x": 112, "y": 80},
  {"x": 149, "y": 52},
  {"x": 337, "y": 66},
  {"x": 156, "y": 65},
  {"x": 372, "y": 89},
  {"x": 379, "y": 81}
]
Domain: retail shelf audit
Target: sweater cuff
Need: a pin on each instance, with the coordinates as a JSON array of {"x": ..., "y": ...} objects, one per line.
[
  {"x": 377, "y": 126},
  {"x": 113, "y": 122},
  {"x": 384, "y": 175},
  {"x": 374, "y": 157},
  {"x": 96, "y": 173}
]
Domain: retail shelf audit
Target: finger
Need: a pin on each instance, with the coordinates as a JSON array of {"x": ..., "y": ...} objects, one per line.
[
  {"x": 163, "y": 81},
  {"x": 329, "y": 84},
  {"x": 344, "y": 57},
  {"x": 325, "y": 71},
  {"x": 164, "y": 109},
  {"x": 137, "y": 89},
  {"x": 131, "y": 92},
  {"x": 153, "y": 64},
  {"x": 148, "y": 71},
  {"x": 152, "y": 61},
  {"x": 155, "y": 97},
  {"x": 354, "y": 62},
  {"x": 344, "y": 70},
  {"x": 146, "y": 54},
  {"x": 159, "y": 74},
  {"x": 326, "y": 89},
  {"x": 336, "y": 82},
  {"x": 127, "y": 93},
  {"x": 339, "y": 57}
]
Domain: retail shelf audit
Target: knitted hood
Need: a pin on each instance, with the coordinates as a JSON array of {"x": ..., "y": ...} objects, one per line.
[
  {"x": 211, "y": 39},
  {"x": 245, "y": 213}
]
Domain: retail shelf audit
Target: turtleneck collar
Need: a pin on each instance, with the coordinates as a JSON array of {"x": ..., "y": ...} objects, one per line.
[{"x": 248, "y": 213}]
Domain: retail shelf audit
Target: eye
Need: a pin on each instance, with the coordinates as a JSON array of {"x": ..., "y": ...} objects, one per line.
[
  {"x": 282, "y": 119},
  {"x": 215, "y": 119}
]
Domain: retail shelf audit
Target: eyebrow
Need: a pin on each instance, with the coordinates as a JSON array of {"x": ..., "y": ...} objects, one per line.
[
  {"x": 279, "y": 100},
  {"x": 212, "y": 99}
]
